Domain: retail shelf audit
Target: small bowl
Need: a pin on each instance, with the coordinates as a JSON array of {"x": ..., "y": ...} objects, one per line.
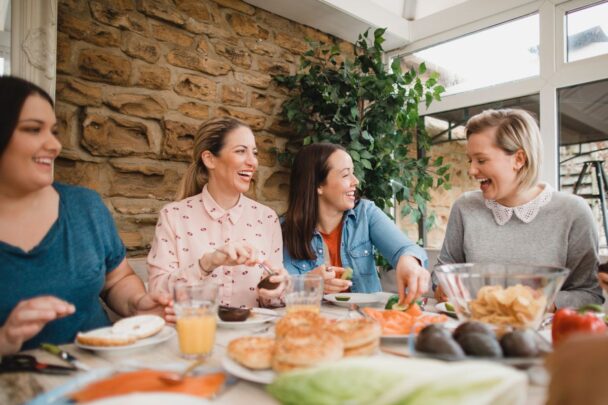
[
  {"x": 230, "y": 314},
  {"x": 501, "y": 294}
]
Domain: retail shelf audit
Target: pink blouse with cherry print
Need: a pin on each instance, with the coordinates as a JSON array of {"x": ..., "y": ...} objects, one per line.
[{"x": 196, "y": 225}]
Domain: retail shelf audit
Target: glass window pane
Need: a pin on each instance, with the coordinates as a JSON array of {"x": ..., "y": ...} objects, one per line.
[
  {"x": 587, "y": 31},
  {"x": 499, "y": 54},
  {"x": 583, "y": 137}
]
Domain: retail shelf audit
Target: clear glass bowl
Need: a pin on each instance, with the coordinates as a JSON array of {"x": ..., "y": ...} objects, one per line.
[{"x": 501, "y": 294}]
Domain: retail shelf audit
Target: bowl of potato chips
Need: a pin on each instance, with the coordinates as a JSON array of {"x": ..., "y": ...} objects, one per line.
[{"x": 505, "y": 295}]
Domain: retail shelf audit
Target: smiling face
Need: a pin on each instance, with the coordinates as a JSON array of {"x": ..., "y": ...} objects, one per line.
[
  {"x": 233, "y": 169},
  {"x": 27, "y": 161},
  {"x": 495, "y": 170},
  {"x": 338, "y": 190}
]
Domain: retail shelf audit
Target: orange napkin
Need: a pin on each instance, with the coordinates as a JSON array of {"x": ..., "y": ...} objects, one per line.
[{"x": 146, "y": 381}]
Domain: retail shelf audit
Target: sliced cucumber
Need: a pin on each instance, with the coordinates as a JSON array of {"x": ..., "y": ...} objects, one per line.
[{"x": 342, "y": 298}]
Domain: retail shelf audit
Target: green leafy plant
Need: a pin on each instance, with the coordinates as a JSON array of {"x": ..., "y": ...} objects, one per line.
[{"x": 373, "y": 112}]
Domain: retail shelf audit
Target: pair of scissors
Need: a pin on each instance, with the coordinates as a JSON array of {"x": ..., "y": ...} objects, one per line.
[{"x": 26, "y": 362}]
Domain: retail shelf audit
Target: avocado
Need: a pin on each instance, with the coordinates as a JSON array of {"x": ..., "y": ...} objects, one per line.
[
  {"x": 473, "y": 327},
  {"x": 231, "y": 314},
  {"x": 347, "y": 274},
  {"x": 480, "y": 345},
  {"x": 440, "y": 344},
  {"x": 519, "y": 343},
  {"x": 391, "y": 302},
  {"x": 266, "y": 284},
  {"x": 342, "y": 298},
  {"x": 433, "y": 329}
]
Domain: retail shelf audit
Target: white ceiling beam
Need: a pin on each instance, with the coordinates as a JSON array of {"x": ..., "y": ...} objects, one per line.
[{"x": 345, "y": 19}]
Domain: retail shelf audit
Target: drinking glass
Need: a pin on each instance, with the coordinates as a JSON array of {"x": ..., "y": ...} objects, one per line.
[
  {"x": 195, "y": 308},
  {"x": 304, "y": 293}
]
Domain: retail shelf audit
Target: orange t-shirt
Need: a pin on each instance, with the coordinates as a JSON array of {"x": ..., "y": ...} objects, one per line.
[{"x": 332, "y": 241}]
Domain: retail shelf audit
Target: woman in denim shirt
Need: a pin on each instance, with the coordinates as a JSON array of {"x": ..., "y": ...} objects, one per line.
[{"x": 326, "y": 228}]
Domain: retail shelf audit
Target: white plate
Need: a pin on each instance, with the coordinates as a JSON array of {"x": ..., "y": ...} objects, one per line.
[
  {"x": 256, "y": 376},
  {"x": 166, "y": 333},
  {"x": 443, "y": 309},
  {"x": 258, "y": 316},
  {"x": 354, "y": 298},
  {"x": 152, "y": 398}
]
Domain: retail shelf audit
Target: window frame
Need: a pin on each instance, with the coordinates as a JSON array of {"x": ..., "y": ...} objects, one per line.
[{"x": 555, "y": 72}]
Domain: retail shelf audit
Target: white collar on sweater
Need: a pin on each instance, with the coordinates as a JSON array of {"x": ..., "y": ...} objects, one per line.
[{"x": 526, "y": 212}]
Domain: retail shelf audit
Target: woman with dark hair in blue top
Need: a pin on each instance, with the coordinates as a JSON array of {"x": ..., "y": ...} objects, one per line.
[
  {"x": 59, "y": 249},
  {"x": 326, "y": 228}
]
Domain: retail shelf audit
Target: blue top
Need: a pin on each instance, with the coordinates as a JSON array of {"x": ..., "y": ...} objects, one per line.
[
  {"x": 365, "y": 228},
  {"x": 71, "y": 263}
]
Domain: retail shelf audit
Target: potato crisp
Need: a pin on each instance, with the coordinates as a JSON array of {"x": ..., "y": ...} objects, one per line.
[{"x": 517, "y": 306}]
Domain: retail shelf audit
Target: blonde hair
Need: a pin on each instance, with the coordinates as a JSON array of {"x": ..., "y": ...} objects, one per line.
[
  {"x": 515, "y": 129},
  {"x": 210, "y": 136}
]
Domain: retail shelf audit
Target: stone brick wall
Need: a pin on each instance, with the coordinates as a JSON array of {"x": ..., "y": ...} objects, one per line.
[{"x": 135, "y": 78}]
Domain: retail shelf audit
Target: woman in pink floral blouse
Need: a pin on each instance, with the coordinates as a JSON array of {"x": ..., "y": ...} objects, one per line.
[{"x": 213, "y": 232}]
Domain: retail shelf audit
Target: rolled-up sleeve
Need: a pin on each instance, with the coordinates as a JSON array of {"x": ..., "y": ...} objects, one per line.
[
  {"x": 163, "y": 263},
  {"x": 390, "y": 240}
]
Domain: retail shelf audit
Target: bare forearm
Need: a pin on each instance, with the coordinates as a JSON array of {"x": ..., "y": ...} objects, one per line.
[{"x": 123, "y": 297}]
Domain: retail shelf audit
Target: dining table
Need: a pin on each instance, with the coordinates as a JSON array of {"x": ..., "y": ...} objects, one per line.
[{"x": 22, "y": 387}]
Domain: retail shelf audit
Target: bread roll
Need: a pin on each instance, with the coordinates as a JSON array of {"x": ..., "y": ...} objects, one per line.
[
  {"x": 104, "y": 337},
  {"x": 140, "y": 326},
  {"x": 252, "y": 352}
]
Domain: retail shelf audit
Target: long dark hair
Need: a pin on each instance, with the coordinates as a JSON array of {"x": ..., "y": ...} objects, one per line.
[
  {"x": 308, "y": 172},
  {"x": 13, "y": 93},
  {"x": 210, "y": 136}
]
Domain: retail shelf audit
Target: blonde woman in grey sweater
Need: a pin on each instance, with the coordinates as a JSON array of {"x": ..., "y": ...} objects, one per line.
[{"x": 514, "y": 218}]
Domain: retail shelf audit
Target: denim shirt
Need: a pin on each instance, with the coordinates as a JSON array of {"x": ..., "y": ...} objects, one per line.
[{"x": 364, "y": 229}]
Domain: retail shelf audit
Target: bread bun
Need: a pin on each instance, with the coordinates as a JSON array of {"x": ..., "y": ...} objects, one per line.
[
  {"x": 140, "y": 326},
  {"x": 301, "y": 348},
  {"x": 104, "y": 337},
  {"x": 252, "y": 352},
  {"x": 364, "y": 350},
  {"x": 299, "y": 320},
  {"x": 356, "y": 332}
]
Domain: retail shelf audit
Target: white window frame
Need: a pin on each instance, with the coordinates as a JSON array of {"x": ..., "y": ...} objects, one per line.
[{"x": 555, "y": 72}]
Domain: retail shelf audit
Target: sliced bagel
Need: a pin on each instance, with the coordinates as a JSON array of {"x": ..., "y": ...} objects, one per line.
[
  {"x": 252, "y": 352},
  {"x": 356, "y": 332},
  {"x": 140, "y": 326},
  {"x": 105, "y": 337},
  {"x": 308, "y": 347}
]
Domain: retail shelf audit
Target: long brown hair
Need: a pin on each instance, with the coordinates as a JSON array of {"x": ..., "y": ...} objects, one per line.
[
  {"x": 308, "y": 172},
  {"x": 210, "y": 136}
]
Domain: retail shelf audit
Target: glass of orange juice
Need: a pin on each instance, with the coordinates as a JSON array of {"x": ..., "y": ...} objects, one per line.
[
  {"x": 195, "y": 308},
  {"x": 304, "y": 293}
]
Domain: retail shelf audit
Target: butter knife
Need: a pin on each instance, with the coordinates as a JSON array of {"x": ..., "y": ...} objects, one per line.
[{"x": 65, "y": 356}]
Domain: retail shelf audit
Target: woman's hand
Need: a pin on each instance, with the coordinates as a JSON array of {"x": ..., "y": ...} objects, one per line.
[
  {"x": 331, "y": 284},
  {"x": 412, "y": 275},
  {"x": 151, "y": 304},
  {"x": 280, "y": 276},
  {"x": 28, "y": 318},
  {"x": 231, "y": 254},
  {"x": 169, "y": 314}
]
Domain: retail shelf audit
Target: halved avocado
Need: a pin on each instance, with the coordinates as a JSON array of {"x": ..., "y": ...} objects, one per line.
[
  {"x": 266, "y": 284},
  {"x": 347, "y": 274},
  {"x": 230, "y": 314}
]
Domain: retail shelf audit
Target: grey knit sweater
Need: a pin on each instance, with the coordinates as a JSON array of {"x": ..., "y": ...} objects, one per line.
[{"x": 562, "y": 234}]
